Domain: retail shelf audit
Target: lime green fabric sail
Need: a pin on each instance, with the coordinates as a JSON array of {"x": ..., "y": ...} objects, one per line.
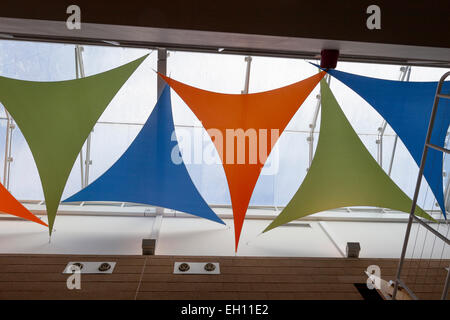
[
  {"x": 343, "y": 173},
  {"x": 57, "y": 117}
]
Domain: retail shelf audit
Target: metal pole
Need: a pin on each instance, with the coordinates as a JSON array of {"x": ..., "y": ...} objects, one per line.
[
  {"x": 419, "y": 181},
  {"x": 77, "y": 73},
  {"x": 433, "y": 231},
  {"x": 88, "y": 161},
  {"x": 11, "y": 127},
  {"x": 447, "y": 195},
  {"x": 162, "y": 68},
  {"x": 312, "y": 125},
  {"x": 380, "y": 142},
  {"x": 329, "y": 235},
  {"x": 446, "y": 285},
  {"x": 248, "y": 59},
  {"x": 394, "y": 148},
  {"x": 405, "y": 72},
  {"x": 8, "y": 149},
  {"x": 79, "y": 49},
  {"x": 149, "y": 245},
  {"x": 393, "y": 155},
  {"x": 447, "y": 187},
  {"x": 5, "y": 165},
  {"x": 5, "y": 168}
]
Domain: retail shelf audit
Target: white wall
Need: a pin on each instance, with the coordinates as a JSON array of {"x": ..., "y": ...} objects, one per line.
[
  {"x": 76, "y": 235},
  {"x": 385, "y": 240},
  {"x": 193, "y": 236}
]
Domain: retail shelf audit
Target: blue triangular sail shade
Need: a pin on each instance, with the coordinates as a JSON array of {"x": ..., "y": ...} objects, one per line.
[
  {"x": 406, "y": 106},
  {"x": 146, "y": 174}
]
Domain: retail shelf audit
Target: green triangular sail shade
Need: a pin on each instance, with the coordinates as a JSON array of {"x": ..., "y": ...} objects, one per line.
[
  {"x": 57, "y": 117},
  {"x": 343, "y": 172}
]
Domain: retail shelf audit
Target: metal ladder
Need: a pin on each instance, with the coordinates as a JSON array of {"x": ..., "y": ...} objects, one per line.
[{"x": 412, "y": 216}]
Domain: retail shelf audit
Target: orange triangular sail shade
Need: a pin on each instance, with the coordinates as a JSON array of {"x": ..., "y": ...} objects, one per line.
[
  {"x": 249, "y": 126},
  {"x": 9, "y": 205}
]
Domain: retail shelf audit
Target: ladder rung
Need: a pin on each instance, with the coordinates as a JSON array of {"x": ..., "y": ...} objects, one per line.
[
  {"x": 438, "y": 148},
  {"x": 445, "y": 96}
]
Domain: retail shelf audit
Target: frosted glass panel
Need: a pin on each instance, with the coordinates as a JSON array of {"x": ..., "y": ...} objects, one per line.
[{"x": 122, "y": 120}]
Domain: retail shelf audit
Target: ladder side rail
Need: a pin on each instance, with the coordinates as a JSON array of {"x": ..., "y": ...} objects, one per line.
[{"x": 419, "y": 181}]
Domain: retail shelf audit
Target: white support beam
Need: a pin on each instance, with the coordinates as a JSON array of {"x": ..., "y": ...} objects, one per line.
[
  {"x": 248, "y": 60},
  {"x": 149, "y": 244}
]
